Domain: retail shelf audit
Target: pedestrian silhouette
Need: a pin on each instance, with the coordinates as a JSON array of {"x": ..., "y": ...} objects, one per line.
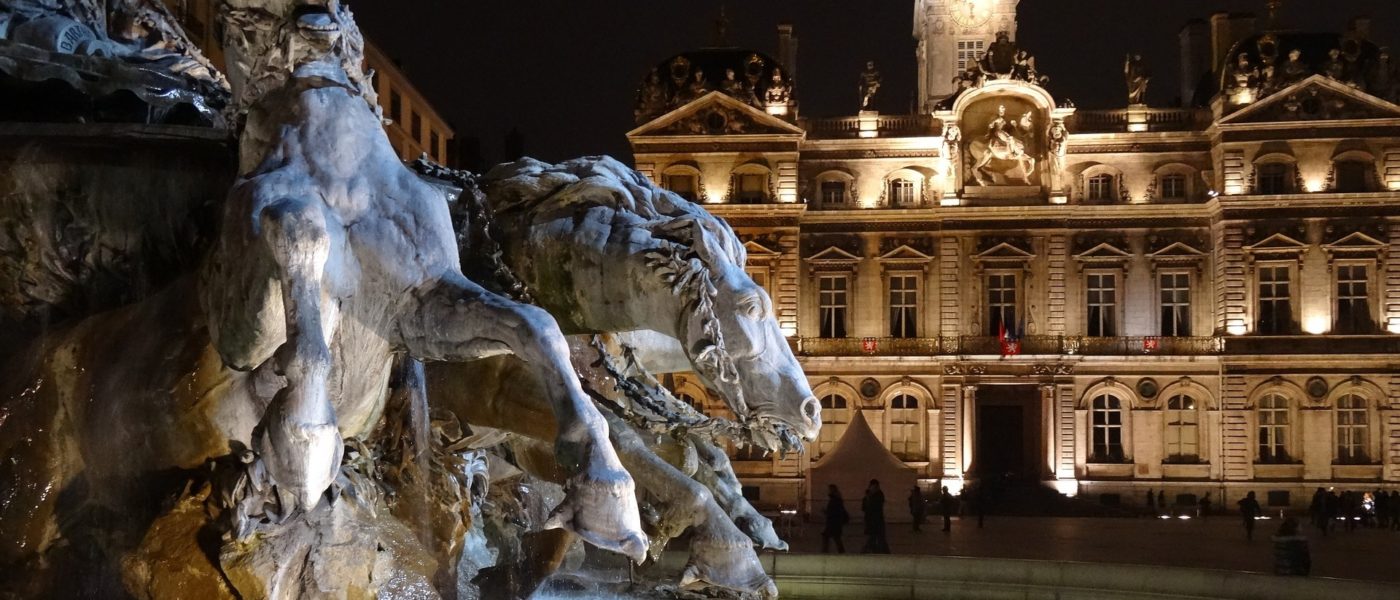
[
  {"x": 1317, "y": 510},
  {"x": 1151, "y": 502},
  {"x": 1205, "y": 505},
  {"x": 917, "y": 507},
  {"x": 947, "y": 504},
  {"x": 1249, "y": 510},
  {"x": 873, "y": 505},
  {"x": 1291, "y": 555},
  {"x": 1162, "y": 500},
  {"x": 836, "y": 519}
]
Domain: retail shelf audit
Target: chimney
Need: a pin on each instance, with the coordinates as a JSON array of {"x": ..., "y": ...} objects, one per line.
[
  {"x": 1194, "y": 39},
  {"x": 787, "y": 50},
  {"x": 1225, "y": 30},
  {"x": 1361, "y": 27}
]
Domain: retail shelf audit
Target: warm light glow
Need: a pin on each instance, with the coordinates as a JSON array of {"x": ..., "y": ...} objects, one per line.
[
  {"x": 789, "y": 329},
  {"x": 1236, "y": 329},
  {"x": 1393, "y": 325},
  {"x": 954, "y": 486},
  {"x": 1137, "y": 127},
  {"x": 778, "y": 110},
  {"x": 1059, "y": 199},
  {"x": 1243, "y": 96},
  {"x": 1068, "y": 487},
  {"x": 869, "y": 124},
  {"x": 1234, "y": 189},
  {"x": 950, "y": 200},
  {"x": 1316, "y": 324},
  {"x": 1393, "y": 185},
  {"x": 1313, "y": 185}
]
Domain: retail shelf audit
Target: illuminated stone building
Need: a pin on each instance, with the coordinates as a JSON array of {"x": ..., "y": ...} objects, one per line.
[
  {"x": 1200, "y": 299},
  {"x": 414, "y": 127}
]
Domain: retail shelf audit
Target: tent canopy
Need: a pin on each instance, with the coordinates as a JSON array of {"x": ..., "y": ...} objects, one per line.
[{"x": 857, "y": 458}]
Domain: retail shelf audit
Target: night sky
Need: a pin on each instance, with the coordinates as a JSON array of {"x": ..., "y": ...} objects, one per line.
[{"x": 565, "y": 73}]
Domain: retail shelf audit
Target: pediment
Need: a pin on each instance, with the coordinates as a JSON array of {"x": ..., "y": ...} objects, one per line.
[
  {"x": 760, "y": 251},
  {"x": 716, "y": 113},
  {"x": 905, "y": 253},
  {"x": 1104, "y": 252},
  {"x": 1356, "y": 241},
  {"x": 1177, "y": 251},
  {"x": 833, "y": 255},
  {"x": 1316, "y": 98},
  {"x": 1004, "y": 251},
  {"x": 1277, "y": 242}
]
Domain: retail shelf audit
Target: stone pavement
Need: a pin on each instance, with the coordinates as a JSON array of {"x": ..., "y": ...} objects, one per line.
[{"x": 1214, "y": 543}]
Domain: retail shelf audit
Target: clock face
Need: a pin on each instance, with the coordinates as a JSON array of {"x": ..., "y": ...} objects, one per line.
[{"x": 971, "y": 13}]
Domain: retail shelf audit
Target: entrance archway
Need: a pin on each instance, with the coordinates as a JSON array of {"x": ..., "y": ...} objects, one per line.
[{"x": 1008, "y": 442}]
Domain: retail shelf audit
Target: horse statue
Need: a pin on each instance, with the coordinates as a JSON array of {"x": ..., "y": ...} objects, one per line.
[
  {"x": 1004, "y": 142},
  {"x": 332, "y": 258},
  {"x": 605, "y": 250}
]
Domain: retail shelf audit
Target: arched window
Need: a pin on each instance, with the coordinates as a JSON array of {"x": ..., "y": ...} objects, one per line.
[
  {"x": 689, "y": 399},
  {"x": 683, "y": 180},
  {"x": 1172, "y": 187},
  {"x": 1353, "y": 176},
  {"x": 1107, "y": 417},
  {"x": 1275, "y": 178},
  {"x": 1102, "y": 188},
  {"x": 835, "y": 417},
  {"x": 834, "y": 189},
  {"x": 902, "y": 192},
  {"x": 1183, "y": 429},
  {"x": 1274, "y": 422},
  {"x": 906, "y": 428},
  {"x": 1353, "y": 430},
  {"x": 750, "y": 184}
]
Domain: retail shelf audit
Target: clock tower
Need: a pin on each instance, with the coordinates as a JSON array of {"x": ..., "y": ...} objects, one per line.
[{"x": 952, "y": 33}]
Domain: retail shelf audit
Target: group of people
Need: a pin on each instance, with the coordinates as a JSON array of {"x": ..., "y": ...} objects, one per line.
[
  {"x": 872, "y": 507},
  {"x": 1377, "y": 509}
]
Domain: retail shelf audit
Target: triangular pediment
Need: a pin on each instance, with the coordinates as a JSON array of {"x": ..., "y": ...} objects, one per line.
[
  {"x": 1104, "y": 251},
  {"x": 1356, "y": 241},
  {"x": 905, "y": 253},
  {"x": 1177, "y": 250},
  {"x": 1004, "y": 251},
  {"x": 758, "y": 250},
  {"x": 716, "y": 113},
  {"x": 1316, "y": 98},
  {"x": 1277, "y": 242},
  {"x": 833, "y": 255}
]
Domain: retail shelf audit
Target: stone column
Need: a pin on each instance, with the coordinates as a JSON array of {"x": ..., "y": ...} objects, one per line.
[
  {"x": 1048, "y": 429},
  {"x": 951, "y": 435},
  {"x": 969, "y": 426}
]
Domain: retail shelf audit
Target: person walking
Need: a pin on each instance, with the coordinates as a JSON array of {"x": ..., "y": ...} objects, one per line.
[
  {"x": 1249, "y": 510},
  {"x": 1151, "y": 503},
  {"x": 1162, "y": 501},
  {"x": 947, "y": 504},
  {"x": 836, "y": 519},
  {"x": 1317, "y": 510},
  {"x": 917, "y": 507},
  {"x": 873, "y": 505},
  {"x": 1291, "y": 556},
  {"x": 1205, "y": 506}
]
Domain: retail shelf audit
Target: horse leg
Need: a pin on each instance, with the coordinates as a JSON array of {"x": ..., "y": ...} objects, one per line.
[
  {"x": 720, "y": 554},
  {"x": 298, "y": 438},
  {"x": 977, "y": 170},
  {"x": 457, "y": 320}
]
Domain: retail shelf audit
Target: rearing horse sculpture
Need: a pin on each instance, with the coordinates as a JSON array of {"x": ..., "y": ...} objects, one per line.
[{"x": 1004, "y": 143}]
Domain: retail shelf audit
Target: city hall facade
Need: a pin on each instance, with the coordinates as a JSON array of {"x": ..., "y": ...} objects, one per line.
[{"x": 1200, "y": 299}]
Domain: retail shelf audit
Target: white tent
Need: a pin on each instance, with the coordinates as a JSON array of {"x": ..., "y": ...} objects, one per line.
[{"x": 857, "y": 458}]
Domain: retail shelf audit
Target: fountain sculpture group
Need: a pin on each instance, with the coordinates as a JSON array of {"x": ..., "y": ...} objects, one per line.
[{"x": 371, "y": 379}]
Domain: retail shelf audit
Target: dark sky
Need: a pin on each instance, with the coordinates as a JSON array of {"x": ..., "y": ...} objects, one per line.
[{"x": 565, "y": 73}]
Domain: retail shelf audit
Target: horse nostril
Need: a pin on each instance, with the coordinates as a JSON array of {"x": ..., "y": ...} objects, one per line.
[{"x": 812, "y": 410}]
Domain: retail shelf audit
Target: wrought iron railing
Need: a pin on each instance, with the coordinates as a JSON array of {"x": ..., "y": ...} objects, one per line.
[
  {"x": 889, "y": 125},
  {"x": 1030, "y": 345}
]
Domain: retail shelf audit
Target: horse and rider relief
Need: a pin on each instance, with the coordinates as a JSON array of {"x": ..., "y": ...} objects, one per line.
[{"x": 1004, "y": 142}]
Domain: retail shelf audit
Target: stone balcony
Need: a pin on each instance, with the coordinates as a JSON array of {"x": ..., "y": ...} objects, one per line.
[{"x": 1103, "y": 346}]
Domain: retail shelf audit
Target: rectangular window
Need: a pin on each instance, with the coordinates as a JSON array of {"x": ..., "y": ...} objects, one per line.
[
  {"x": 683, "y": 185},
  {"x": 433, "y": 142},
  {"x": 1273, "y": 429},
  {"x": 1353, "y": 300},
  {"x": 1108, "y": 429},
  {"x": 1173, "y": 187},
  {"x": 901, "y": 192},
  {"x": 1275, "y": 178},
  {"x": 760, "y": 277},
  {"x": 968, "y": 52},
  {"x": 904, "y": 306},
  {"x": 1275, "y": 300},
  {"x": 1176, "y": 304},
  {"x": 1353, "y": 176},
  {"x": 1352, "y": 430},
  {"x": 833, "y": 192},
  {"x": 1001, "y": 302},
  {"x": 906, "y": 439},
  {"x": 1101, "y": 189},
  {"x": 750, "y": 187},
  {"x": 1102, "y": 304},
  {"x": 396, "y": 106},
  {"x": 833, "y": 303},
  {"x": 417, "y": 130}
]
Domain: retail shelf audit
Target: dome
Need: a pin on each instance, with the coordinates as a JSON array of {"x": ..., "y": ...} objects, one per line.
[
  {"x": 1272, "y": 49},
  {"x": 689, "y": 75}
]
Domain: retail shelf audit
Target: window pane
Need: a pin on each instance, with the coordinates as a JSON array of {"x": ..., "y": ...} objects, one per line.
[
  {"x": 1102, "y": 313},
  {"x": 832, "y": 302},
  {"x": 1353, "y": 300},
  {"x": 1001, "y": 302},
  {"x": 834, "y": 192},
  {"x": 904, "y": 306},
  {"x": 1175, "y": 304},
  {"x": 1275, "y": 300}
]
